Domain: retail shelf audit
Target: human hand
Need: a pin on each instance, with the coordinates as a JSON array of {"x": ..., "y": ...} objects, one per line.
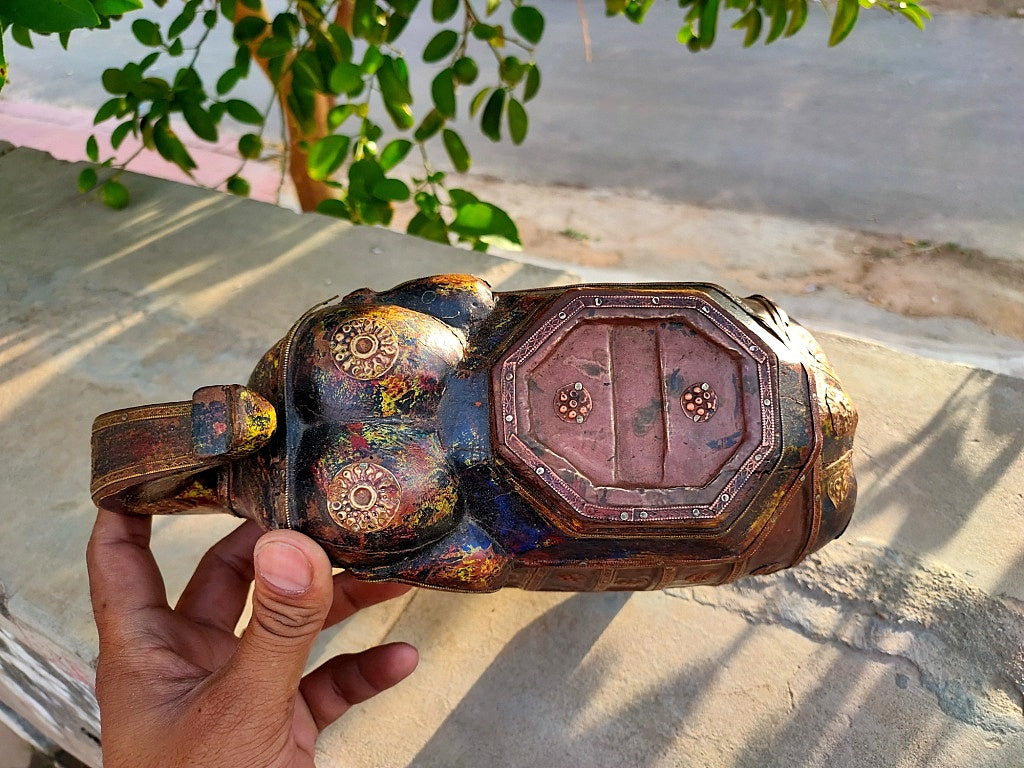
[{"x": 176, "y": 687}]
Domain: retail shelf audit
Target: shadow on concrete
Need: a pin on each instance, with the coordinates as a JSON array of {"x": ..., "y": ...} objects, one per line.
[
  {"x": 549, "y": 698},
  {"x": 907, "y": 476}
]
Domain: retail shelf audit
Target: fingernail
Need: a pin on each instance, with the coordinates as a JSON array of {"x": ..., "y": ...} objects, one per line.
[{"x": 284, "y": 567}]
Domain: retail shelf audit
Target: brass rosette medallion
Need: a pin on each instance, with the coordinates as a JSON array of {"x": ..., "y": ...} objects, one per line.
[
  {"x": 699, "y": 402},
  {"x": 573, "y": 403},
  {"x": 363, "y": 497},
  {"x": 365, "y": 348}
]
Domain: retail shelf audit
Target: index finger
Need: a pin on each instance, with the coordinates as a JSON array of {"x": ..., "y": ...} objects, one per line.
[{"x": 124, "y": 579}]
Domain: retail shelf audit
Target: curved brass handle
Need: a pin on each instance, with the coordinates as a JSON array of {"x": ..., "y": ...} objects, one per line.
[{"x": 170, "y": 457}]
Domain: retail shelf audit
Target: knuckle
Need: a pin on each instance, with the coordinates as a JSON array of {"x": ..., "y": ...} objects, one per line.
[{"x": 288, "y": 621}]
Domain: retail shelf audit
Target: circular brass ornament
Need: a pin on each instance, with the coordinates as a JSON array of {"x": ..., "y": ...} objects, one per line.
[
  {"x": 365, "y": 348},
  {"x": 363, "y": 497},
  {"x": 573, "y": 403},
  {"x": 699, "y": 402}
]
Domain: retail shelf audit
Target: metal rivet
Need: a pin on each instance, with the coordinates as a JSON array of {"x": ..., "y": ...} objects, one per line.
[
  {"x": 767, "y": 401},
  {"x": 509, "y": 376},
  {"x": 561, "y": 315},
  {"x": 577, "y": 386},
  {"x": 597, "y": 302},
  {"x": 643, "y": 513},
  {"x": 802, "y": 478},
  {"x": 704, "y": 386},
  {"x": 540, "y": 470},
  {"x": 655, "y": 300},
  {"x": 624, "y": 515},
  {"x": 510, "y": 417},
  {"x": 363, "y": 465},
  {"x": 725, "y": 497},
  {"x": 758, "y": 457},
  {"x": 705, "y": 310},
  {"x": 579, "y": 419}
]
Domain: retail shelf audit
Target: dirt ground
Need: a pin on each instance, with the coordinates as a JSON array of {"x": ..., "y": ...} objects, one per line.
[{"x": 637, "y": 237}]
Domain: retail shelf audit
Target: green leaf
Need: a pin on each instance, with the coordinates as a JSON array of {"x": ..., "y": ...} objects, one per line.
[
  {"x": 478, "y": 100},
  {"x": 750, "y": 21},
  {"x": 431, "y": 124},
  {"x": 341, "y": 40},
  {"x": 517, "y": 121},
  {"x": 335, "y": 208},
  {"x": 21, "y": 36},
  {"x": 149, "y": 60},
  {"x": 846, "y": 17},
  {"x": 92, "y": 149},
  {"x": 228, "y": 80},
  {"x": 182, "y": 22},
  {"x": 372, "y": 60},
  {"x": 200, "y": 122},
  {"x": 252, "y": 5},
  {"x": 528, "y": 22},
  {"x": 442, "y": 89},
  {"x": 176, "y": 48},
  {"x": 490, "y": 123},
  {"x": 146, "y": 32},
  {"x": 346, "y": 77},
  {"x": 117, "y": 7},
  {"x": 227, "y": 9},
  {"x": 532, "y": 83},
  {"x": 87, "y": 179},
  {"x": 50, "y": 15},
  {"x": 442, "y": 10},
  {"x": 486, "y": 32},
  {"x": 797, "y": 19},
  {"x": 114, "y": 195},
  {"x": 487, "y": 223},
  {"x": 250, "y": 146},
  {"x": 778, "y": 15},
  {"x": 394, "y": 153},
  {"x": 427, "y": 227},
  {"x": 440, "y": 45},
  {"x": 210, "y": 19},
  {"x": 339, "y": 115},
  {"x": 109, "y": 109},
  {"x": 121, "y": 133},
  {"x": 400, "y": 114},
  {"x": 243, "y": 112},
  {"x": 274, "y": 46},
  {"x": 391, "y": 190},
  {"x": 457, "y": 151},
  {"x": 3, "y": 62},
  {"x": 391, "y": 86},
  {"x": 326, "y": 156},
  {"x": 364, "y": 18},
  {"x": 249, "y": 28},
  {"x": 708, "y": 22},
  {"x": 236, "y": 185},
  {"x": 170, "y": 147},
  {"x": 465, "y": 70}
]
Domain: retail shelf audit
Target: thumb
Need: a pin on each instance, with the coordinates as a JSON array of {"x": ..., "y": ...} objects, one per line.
[{"x": 292, "y": 594}]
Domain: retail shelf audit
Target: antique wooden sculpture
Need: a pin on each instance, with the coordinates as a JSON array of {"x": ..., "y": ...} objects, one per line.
[{"x": 586, "y": 438}]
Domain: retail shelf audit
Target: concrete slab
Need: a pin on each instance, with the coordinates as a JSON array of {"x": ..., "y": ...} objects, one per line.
[{"x": 898, "y": 645}]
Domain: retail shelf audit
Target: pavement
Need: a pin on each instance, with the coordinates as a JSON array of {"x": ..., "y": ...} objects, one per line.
[{"x": 898, "y": 645}]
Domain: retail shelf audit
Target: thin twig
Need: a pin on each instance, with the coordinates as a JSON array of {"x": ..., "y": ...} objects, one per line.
[{"x": 584, "y": 29}]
